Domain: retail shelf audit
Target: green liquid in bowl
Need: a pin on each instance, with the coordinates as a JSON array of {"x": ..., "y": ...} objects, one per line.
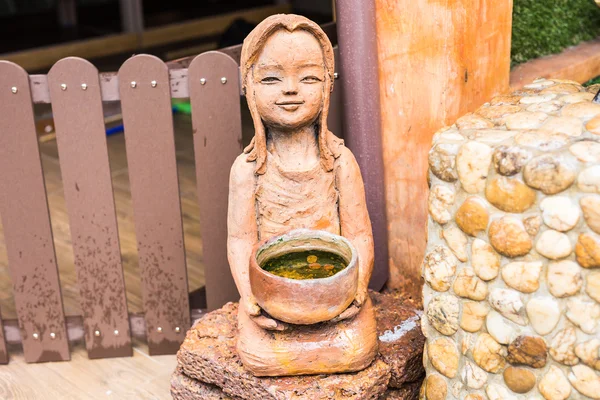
[{"x": 313, "y": 264}]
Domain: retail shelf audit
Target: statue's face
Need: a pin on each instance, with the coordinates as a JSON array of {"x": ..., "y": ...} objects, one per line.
[{"x": 289, "y": 79}]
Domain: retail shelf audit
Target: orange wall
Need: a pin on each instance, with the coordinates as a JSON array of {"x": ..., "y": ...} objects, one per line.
[{"x": 437, "y": 61}]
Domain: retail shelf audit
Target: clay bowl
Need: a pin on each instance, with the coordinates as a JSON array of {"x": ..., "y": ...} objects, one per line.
[{"x": 307, "y": 301}]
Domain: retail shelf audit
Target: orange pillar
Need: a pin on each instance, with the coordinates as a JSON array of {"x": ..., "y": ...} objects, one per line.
[{"x": 437, "y": 61}]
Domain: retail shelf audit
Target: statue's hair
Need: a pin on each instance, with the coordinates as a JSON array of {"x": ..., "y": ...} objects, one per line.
[{"x": 253, "y": 45}]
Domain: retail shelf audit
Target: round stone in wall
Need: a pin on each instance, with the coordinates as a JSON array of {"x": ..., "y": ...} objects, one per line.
[
  {"x": 474, "y": 396},
  {"x": 472, "y": 216},
  {"x": 456, "y": 240},
  {"x": 564, "y": 278},
  {"x": 528, "y": 350},
  {"x": 532, "y": 225},
  {"x": 519, "y": 380},
  {"x": 577, "y": 97},
  {"x": 489, "y": 354},
  {"x": 542, "y": 140},
  {"x": 554, "y": 245},
  {"x": 586, "y": 151},
  {"x": 473, "y": 376},
  {"x": 570, "y": 126},
  {"x": 544, "y": 314},
  {"x": 469, "y": 286},
  {"x": 509, "y": 238},
  {"x": 473, "y": 121},
  {"x": 594, "y": 125},
  {"x": 486, "y": 262},
  {"x": 542, "y": 98},
  {"x": 589, "y": 179},
  {"x": 509, "y": 161},
  {"x": 473, "y": 315},
  {"x": 443, "y": 313},
  {"x": 525, "y": 120},
  {"x": 585, "y": 381},
  {"x": 523, "y": 276},
  {"x": 587, "y": 250},
  {"x": 472, "y": 164},
  {"x": 562, "y": 347},
  {"x": 590, "y": 205},
  {"x": 500, "y": 328},
  {"x": 548, "y": 173},
  {"x": 589, "y": 353},
  {"x": 439, "y": 268},
  {"x": 443, "y": 355},
  {"x": 554, "y": 385},
  {"x": 441, "y": 198},
  {"x": 509, "y": 194},
  {"x": 435, "y": 387},
  {"x": 508, "y": 303},
  {"x": 592, "y": 285},
  {"x": 498, "y": 111},
  {"x": 497, "y": 392},
  {"x": 442, "y": 161},
  {"x": 583, "y": 110},
  {"x": 560, "y": 213},
  {"x": 584, "y": 313}
]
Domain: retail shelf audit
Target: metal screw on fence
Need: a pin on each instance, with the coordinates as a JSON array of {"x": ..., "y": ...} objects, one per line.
[
  {"x": 96, "y": 333},
  {"x": 63, "y": 86},
  {"x": 52, "y": 335},
  {"x": 336, "y": 75},
  {"x": 223, "y": 80},
  {"x": 116, "y": 332},
  {"x": 177, "y": 329},
  {"x": 159, "y": 329},
  {"x": 133, "y": 84},
  {"x": 202, "y": 81},
  {"x": 36, "y": 336},
  {"x": 14, "y": 89},
  {"x": 153, "y": 83},
  {"x": 83, "y": 86}
]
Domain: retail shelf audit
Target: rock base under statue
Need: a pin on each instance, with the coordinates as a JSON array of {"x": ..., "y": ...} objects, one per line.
[{"x": 209, "y": 368}]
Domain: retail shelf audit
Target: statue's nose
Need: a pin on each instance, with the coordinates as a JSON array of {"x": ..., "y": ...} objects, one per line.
[{"x": 291, "y": 87}]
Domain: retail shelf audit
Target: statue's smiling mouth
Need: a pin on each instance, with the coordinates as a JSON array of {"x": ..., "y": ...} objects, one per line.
[{"x": 290, "y": 105}]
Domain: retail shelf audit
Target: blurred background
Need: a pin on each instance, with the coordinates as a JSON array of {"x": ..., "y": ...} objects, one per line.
[{"x": 36, "y": 33}]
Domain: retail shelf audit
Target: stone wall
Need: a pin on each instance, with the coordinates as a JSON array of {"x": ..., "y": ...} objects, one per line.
[{"x": 512, "y": 267}]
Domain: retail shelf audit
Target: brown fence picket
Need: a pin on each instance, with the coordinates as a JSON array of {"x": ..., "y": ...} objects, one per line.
[
  {"x": 3, "y": 352},
  {"x": 150, "y": 144},
  {"x": 215, "y": 97},
  {"x": 26, "y": 222},
  {"x": 81, "y": 138}
]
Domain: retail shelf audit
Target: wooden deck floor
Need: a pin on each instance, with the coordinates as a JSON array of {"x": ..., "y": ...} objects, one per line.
[{"x": 140, "y": 377}]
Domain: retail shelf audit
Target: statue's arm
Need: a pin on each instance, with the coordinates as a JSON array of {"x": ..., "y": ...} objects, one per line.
[
  {"x": 242, "y": 232},
  {"x": 354, "y": 217}
]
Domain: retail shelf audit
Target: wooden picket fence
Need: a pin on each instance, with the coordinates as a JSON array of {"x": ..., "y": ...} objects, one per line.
[{"x": 145, "y": 86}]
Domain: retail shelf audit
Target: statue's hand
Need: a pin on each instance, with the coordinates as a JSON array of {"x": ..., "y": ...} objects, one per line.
[
  {"x": 260, "y": 318},
  {"x": 353, "y": 308},
  {"x": 361, "y": 297},
  {"x": 251, "y": 306}
]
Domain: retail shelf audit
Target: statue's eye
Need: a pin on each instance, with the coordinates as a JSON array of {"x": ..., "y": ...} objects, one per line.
[
  {"x": 310, "y": 79},
  {"x": 270, "y": 80}
]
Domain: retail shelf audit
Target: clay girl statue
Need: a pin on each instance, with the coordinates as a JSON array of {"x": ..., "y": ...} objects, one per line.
[{"x": 296, "y": 174}]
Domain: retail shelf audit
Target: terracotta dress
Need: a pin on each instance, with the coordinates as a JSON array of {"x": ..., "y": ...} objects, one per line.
[{"x": 288, "y": 200}]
